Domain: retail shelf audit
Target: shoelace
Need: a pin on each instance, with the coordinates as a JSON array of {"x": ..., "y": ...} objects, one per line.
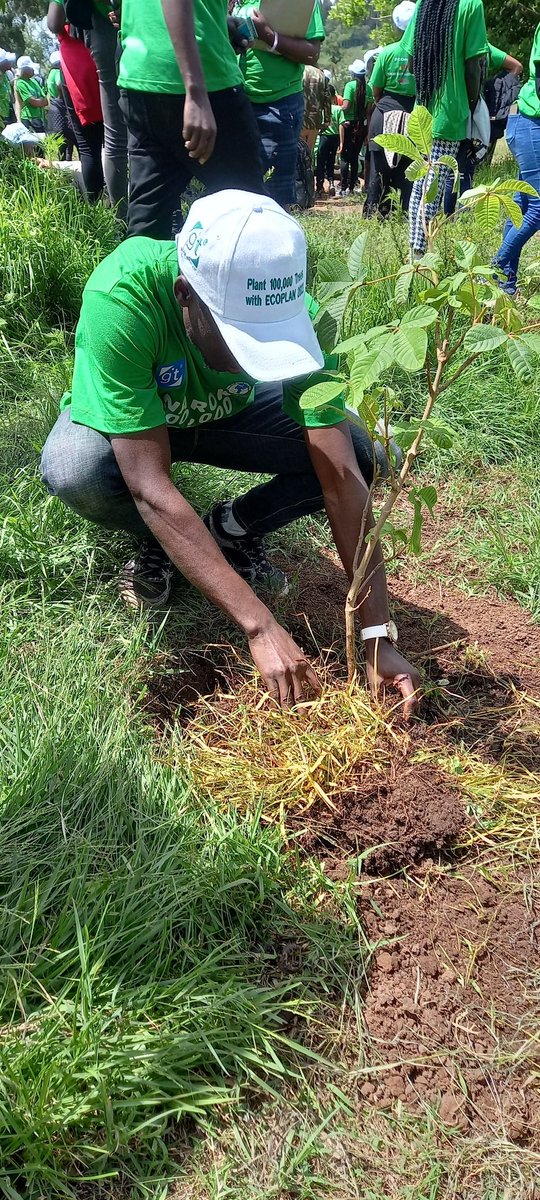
[{"x": 152, "y": 561}]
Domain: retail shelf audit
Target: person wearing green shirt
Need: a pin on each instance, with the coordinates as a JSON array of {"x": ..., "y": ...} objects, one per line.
[
  {"x": 6, "y": 61},
  {"x": 328, "y": 148},
  {"x": 394, "y": 92},
  {"x": 352, "y": 127},
  {"x": 523, "y": 137},
  {"x": 30, "y": 95},
  {"x": 273, "y": 78},
  {"x": 447, "y": 43},
  {"x": 200, "y": 352},
  {"x": 185, "y": 109}
]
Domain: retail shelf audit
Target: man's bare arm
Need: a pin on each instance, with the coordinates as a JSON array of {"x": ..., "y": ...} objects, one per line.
[
  {"x": 473, "y": 79},
  {"x": 199, "y": 128},
  {"x": 144, "y": 460}
]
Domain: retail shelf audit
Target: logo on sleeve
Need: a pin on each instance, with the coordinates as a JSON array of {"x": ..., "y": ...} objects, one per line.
[
  {"x": 172, "y": 376},
  {"x": 239, "y": 389}
]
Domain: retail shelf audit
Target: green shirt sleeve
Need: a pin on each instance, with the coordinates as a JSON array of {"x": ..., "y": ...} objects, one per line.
[
  {"x": 316, "y": 25},
  {"x": 314, "y": 418},
  {"x": 475, "y": 30},
  {"x": 496, "y": 59},
  {"x": 24, "y": 90},
  {"x": 114, "y": 390},
  {"x": 378, "y": 75}
]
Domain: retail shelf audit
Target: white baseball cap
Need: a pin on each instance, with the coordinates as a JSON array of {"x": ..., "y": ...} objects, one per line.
[
  {"x": 372, "y": 54},
  {"x": 327, "y": 74},
  {"x": 55, "y": 58},
  {"x": 246, "y": 259},
  {"x": 358, "y": 67},
  {"x": 24, "y": 62},
  {"x": 403, "y": 13}
]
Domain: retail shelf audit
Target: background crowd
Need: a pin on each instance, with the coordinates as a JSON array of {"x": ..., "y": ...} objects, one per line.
[{"x": 151, "y": 96}]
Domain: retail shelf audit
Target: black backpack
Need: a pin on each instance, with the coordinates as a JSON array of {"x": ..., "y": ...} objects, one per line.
[{"x": 500, "y": 94}]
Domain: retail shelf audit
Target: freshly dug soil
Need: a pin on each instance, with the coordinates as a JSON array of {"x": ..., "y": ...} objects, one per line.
[
  {"x": 400, "y": 817},
  {"x": 177, "y": 685},
  {"x": 451, "y": 998}
]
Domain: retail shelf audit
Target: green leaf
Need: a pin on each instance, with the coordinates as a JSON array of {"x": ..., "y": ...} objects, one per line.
[
  {"x": 337, "y": 305},
  {"x": 520, "y": 357},
  {"x": 487, "y": 212},
  {"x": 428, "y": 496},
  {"x": 503, "y": 186},
  {"x": 321, "y": 394},
  {"x": 405, "y": 435},
  {"x": 415, "y": 540},
  {"x": 439, "y": 433},
  {"x": 481, "y": 339},
  {"x": 333, "y": 270},
  {"x": 356, "y": 257},
  {"x": 532, "y": 340},
  {"x": 398, "y": 536},
  {"x": 416, "y": 170},
  {"x": 403, "y": 284},
  {"x": 512, "y": 210},
  {"x": 369, "y": 365},
  {"x": 409, "y": 344},
  {"x": 420, "y": 129},
  {"x": 327, "y": 330},
  {"x": 398, "y": 144},
  {"x": 466, "y": 255},
  {"x": 422, "y": 314},
  {"x": 350, "y": 344},
  {"x": 448, "y": 160},
  {"x": 431, "y": 191}
]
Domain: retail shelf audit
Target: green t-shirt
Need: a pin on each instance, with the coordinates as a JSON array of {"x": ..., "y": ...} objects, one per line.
[
  {"x": 451, "y": 108},
  {"x": 495, "y": 60},
  {"x": 136, "y": 368},
  {"x": 148, "y": 62},
  {"x": 5, "y": 97},
  {"x": 391, "y": 71},
  {"x": 332, "y": 129},
  {"x": 528, "y": 102},
  {"x": 53, "y": 83},
  {"x": 349, "y": 93},
  {"x": 270, "y": 77},
  {"x": 25, "y": 89}
]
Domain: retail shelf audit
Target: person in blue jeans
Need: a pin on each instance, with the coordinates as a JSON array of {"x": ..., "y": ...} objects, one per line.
[
  {"x": 273, "y": 81},
  {"x": 523, "y": 137}
]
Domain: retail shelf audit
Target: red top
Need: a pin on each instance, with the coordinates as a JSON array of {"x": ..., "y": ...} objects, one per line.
[{"x": 80, "y": 74}]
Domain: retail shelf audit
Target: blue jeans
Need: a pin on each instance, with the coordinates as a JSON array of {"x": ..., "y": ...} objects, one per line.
[
  {"x": 78, "y": 465},
  {"x": 280, "y": 126},
  {"x": 523, "y": 136}
]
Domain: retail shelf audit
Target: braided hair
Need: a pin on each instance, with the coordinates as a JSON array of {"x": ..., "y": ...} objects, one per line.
[{"x": 433, "y": 47}]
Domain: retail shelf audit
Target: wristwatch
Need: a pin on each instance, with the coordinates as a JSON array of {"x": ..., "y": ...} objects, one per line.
[{"x": 380, "y": 631}]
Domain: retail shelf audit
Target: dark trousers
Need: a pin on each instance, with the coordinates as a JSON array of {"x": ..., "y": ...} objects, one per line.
[
  {"x": 160, "y": 166},
  {"x": 349, "y": 155},
  {"x": 326, "y": 159},
  {"x": 467, "y": 166},
  {"x": 382, "y": 178},
  {"x": 60, "y": 126},
  {"x": 35, "y": 125},
  {"x": 89, "y": 141},
  {"x": 78, "y": 465}
]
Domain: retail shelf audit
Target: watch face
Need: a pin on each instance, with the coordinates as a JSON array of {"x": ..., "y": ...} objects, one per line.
[{"x": 392, "y": 631}]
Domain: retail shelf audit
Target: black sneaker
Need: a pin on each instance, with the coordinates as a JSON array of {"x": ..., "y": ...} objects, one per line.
[
  {"x": 246, "y": 554},
  {"x": 146, "y": 580}
]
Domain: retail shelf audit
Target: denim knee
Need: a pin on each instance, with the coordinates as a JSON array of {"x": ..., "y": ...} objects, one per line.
[{"x": 78, "y": 466}]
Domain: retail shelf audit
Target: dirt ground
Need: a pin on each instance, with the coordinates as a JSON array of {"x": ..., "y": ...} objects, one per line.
[{"x": 452, "y": 1005}]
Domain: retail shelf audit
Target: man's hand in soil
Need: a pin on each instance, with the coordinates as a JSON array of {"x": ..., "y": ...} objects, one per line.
[
  {"x": 386, "y": 668},
  {"x": 285, "y": 670}
]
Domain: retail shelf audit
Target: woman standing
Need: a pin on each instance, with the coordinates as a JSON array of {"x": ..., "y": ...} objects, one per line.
[
  {"x": 80, "y": 91},
  {"x": 353, "y": 125},
  {"x": 523, "y": 137},
  {"x": 447, "y": 41},
  {"x": 394, "y": 92}
]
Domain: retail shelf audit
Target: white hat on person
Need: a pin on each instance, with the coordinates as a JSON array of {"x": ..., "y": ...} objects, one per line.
[
  {"x": 24, "y": 62},
  {"x": 358, "y": 67},
  {"x": 403, "y": 13},
  {"x": 372, "y": 54},
  {"x": 4, "y": 56},
  {"x": 246, "y": 259},
  {"x": 327, "y": 74},
  {"x": 55, "y": 58}
]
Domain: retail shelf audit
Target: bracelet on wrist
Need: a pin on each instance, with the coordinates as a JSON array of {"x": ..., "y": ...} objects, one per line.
[{"x": 275, "y": 44}]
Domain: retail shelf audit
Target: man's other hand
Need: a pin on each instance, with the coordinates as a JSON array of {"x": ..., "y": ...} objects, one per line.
[
  {"x": 199, "y": 129},
  {"x": 386, "y": 668}
]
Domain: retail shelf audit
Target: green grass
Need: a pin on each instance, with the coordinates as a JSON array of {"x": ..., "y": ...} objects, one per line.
[{"x": 161, "y": 957}]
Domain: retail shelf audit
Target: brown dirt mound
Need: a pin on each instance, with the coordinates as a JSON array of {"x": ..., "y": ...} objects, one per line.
[
  {"x": 400, "y": 817},
  {"x": 177, "y": 685},
  {"x": 451, "y": 1011}
]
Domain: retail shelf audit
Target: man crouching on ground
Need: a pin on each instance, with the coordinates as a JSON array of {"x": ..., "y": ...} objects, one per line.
[{"x": 178, "y": 350}]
